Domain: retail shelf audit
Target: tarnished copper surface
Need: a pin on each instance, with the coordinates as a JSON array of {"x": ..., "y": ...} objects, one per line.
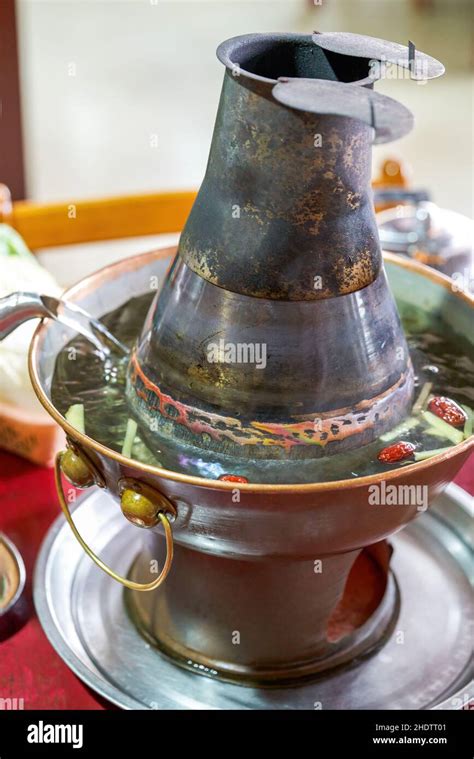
[
  {"x": 275, "y": 211},
  {"x": 443, "y": 465},
  {"x": 284, "y": 217},
  {"x": 323, "y": 359},
  {"x": 286, "y": 196},
  {"x": 320, "y": 429},
  {"x": 281, "y": 247},
  {"x": 277, "y": 530}
]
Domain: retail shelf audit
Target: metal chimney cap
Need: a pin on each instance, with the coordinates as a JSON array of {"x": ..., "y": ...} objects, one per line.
[
  {"x": 362, "y": 46},
  {"x": 354, "y": 58},
  {"x": 389, "y": 118}
]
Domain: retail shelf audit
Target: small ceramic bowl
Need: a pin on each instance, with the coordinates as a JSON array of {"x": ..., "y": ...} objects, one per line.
[{"x": 12, "y": 584}]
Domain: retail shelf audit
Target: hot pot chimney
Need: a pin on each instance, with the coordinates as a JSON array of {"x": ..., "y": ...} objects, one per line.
[{"x": 275, "y": 336}]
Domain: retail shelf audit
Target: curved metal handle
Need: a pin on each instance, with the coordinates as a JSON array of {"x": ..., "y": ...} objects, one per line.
[{"x": 123, "y": 580}]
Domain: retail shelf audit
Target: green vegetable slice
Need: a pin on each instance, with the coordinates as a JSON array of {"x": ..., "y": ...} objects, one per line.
[
  {"x": 75, "y": 416},
  {"x": 129, "y": 438},
  {"x": 468, "y": 424},
  {"x": 444, "y": 429},
  {"x": 422, "y": 455},
  {"x": 420, "y": 402},
  {"x": 400, "y": 429}
]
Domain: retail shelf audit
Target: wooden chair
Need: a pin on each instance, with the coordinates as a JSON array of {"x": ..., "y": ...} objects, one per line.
[{"x": 47, "y": 225}]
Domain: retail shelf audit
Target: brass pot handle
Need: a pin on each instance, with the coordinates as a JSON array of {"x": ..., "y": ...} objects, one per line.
[{"x": 123, "y": 580}]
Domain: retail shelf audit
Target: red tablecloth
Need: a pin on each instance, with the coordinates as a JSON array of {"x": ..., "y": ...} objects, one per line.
[{"x": 30, "y": 669}]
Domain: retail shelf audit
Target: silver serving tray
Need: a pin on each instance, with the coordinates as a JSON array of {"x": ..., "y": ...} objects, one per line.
[{"x": 425, "y": 663}]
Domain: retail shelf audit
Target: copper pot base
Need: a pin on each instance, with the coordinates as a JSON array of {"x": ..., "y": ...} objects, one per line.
[
  {"x": 423, "y": 664},
  {"x": 359, "y": 625}
]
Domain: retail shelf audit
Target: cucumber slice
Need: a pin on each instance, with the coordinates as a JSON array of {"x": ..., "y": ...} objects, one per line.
[
  {"x": 129, "y": 438},
  {"x": 75, "y": 416},
  {"x": 468, "y": 423},
  {"x": 420, "y": 402},
  {"x": 422, "y": 455},
  {"x": 400, "y": 429},
  {"x": 444, "y": 429}
]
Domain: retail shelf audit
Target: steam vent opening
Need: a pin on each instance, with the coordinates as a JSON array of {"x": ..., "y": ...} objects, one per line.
[{"x": 300, "y": 57}]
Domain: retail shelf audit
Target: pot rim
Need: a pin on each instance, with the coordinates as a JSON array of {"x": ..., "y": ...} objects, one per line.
[
  {"x": 228, "y": 47},
  {"x": 131, "y": 263}
]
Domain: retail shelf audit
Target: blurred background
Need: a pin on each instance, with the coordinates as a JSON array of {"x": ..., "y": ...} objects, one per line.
[{"x": 120, "y": 96}]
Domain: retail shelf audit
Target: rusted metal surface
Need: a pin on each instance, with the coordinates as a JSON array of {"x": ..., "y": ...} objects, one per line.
[
  {"x": 285, "y": 211},
  {"x": 280, "y": 250}
]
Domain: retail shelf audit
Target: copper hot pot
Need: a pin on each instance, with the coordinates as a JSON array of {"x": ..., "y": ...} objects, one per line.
[{"x": 244, "y": 559}]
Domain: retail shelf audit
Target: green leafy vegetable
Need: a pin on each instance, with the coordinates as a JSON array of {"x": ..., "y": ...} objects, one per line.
[{"x": 13, "y": 245}]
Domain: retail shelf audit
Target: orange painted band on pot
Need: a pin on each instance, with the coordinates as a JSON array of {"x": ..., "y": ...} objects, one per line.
[{"x": 318, "y": 429}]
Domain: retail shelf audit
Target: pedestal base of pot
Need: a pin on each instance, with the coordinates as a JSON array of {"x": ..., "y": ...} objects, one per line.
[
  {"x": 424, "y": 663},
  {"x": 266, "y": 622}
]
